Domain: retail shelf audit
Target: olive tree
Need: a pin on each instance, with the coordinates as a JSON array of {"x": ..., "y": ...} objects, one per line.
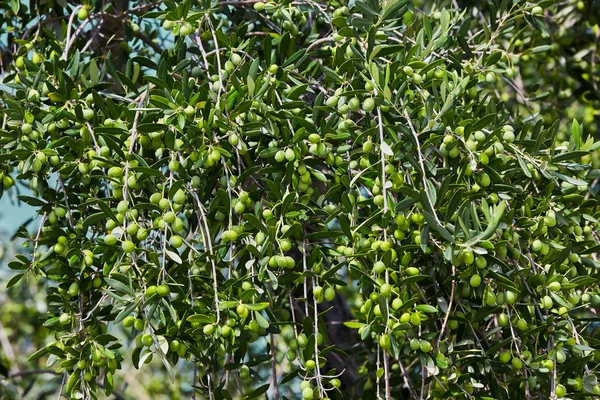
[{"x": 308, "y": 199}]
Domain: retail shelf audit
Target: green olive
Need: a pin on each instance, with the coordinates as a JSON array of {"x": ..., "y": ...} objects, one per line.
[
  {"x": 128, "y": 321},
  {"x": 82, "y": 14}
]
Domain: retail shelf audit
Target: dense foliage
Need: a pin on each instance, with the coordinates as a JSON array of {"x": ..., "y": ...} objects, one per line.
[{"x": 304, "y": 199}]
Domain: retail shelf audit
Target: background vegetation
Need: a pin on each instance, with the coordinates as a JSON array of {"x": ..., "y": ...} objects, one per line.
[{"x": 302, "y": 199}]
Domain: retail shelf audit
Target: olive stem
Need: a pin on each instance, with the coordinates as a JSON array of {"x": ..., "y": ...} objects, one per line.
[
  {"x": 316, "y": 331},
  {"x": 318, "y": 42},
  {"x": 36, "y": 241},
  {"x": 273, "y": 368},
  {"x": 64, "y": 191},
  {"x": 387, "y": 281},
  {"x": 407, "y": 381},
  {"x": 381, "y": 144},
  {"x": 219, "y": 69},
  {"x": 207, "y": 243},
  {"x": 377, "y": 373},
  {"x": 421, "y": 162},
  {"x": 444, "y": 324},
  {"x": 68, "y": 38}
]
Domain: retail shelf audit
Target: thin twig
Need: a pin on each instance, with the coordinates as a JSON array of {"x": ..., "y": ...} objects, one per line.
[
  {"x": 381, "y": 145},
  {"x": 273, "y": 368},
  {"x": 421, "y": 162},
  {"x": 207, "y": 243},
  {"x": 318, "y": 42},
  {"x": 69, "y": 213},
  {"x": 219, "y": 69},
  {"x": 407, "y": 381},
  {"x": 68, "y": 41},
  {"x": 36, "y": 241},
  {"x": 449, "y": 307}
]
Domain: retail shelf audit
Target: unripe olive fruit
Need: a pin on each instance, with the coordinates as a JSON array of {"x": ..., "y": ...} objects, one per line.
[
  {"x": 241, "y": 310},
  {"x": 503, "y": 319},
  {"x": 475, "y": 280},
  {"x": 186, "y": 29},
  {"x": 329, "y": 293},
  {"x": 509, "y": 136},
  {"x": 128, "y": 321},
  {"x": 208, "y": 329},
  {"x": 385, "y": 290},
  {"x": 128, "y": 246},
  {"x": 73, "y": 289},
  {"x": 415, "y": 319},
  {"x": 169, "y": 217},
  {"x": 548, "y": 364},
  {"x": 547, "y": 302},
  {"x": 141, "y": 234},
  {"x": 189, "y": 111},
  {"x": 307, "y": 393},
  {"x": 397, "y": 303},
  {"x": 484, "y": 180},
  {"x": 64, "y": 318},
  {"x": 20, "y": 62},
  {"x": 115, "y": 172},
  {"x": 33, "y": 96},
  {"x": 505, "y": 357},
  {"x": 165, "y": 204},
  {"x": 291, "y": 355},
  {"x": 379, "y": 267},
  {"x": 233, "y": 139},
  {"x": 468, "y": 257},
  {"x": 151, "y": 290},
  {"x": 561, "y": 356},
  {"x": 480, "y": 261},
  {"x": 384, "y": 341},
  {"x": 82, "y": 13},
  {"x": 88, "y": 114},
  {"x": 368, "y": 105},
  {"x": 174, "y": 345},
  {"x": 163, "y": 290},
  {"x": 415, "y": 344},
  {"x": 138, "y": 324},
  {"x": 244, "y": 372},
  {"x": 176, "y": 241},
  {"x": 226, "y": 331},
  {"x": 147, "y": 340},
  {"x": 490, "y": 298},
  {"x": 155, "y": 198},
  {"x": 511, "y": 297},
  {"x": 516, "y": 363},
  {"x": 280, "y": 156}
]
